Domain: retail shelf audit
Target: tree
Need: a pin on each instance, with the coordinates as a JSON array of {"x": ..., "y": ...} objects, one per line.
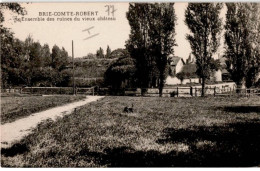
[
  {"x": 121, "y": 73},
  {"x": 100, "y": 53},
  {"x": 162, "y": 32},
  {"x": 46, "y": 55},
  {"x": 242, "y": 39},
  {"x": 59, "y": 58},
  {"x": 138, "y": 42},
  {"x": 108, "y": 55},
  {"x": 188, "y": 71},
  {"x": 117, "y": 53},
  {"x": 151, "y": 41},
  {"x": 254, "y": 38},
  {"x": 14, "y": 7},
  {"x": 90, "y": 56},
  {"x": 27, "y": 62},
  {"x": 64, "y": 58},
  {"x": 35, "y": 55},
  {"x": 7, "y": 41},
  {"x": 205, "y": 25}
]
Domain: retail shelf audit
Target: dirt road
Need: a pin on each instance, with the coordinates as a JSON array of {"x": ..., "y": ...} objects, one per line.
[{"x": 15, "y": 131}]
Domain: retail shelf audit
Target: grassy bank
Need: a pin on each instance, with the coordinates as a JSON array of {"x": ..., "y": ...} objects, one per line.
[
  {"x": 15, "y": 106},
  {"x": 161, "y": 132}
]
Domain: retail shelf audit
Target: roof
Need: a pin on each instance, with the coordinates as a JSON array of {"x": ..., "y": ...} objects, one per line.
[
  {"x": 224, "y": 71},
  {"x": 174, "y": 60}
]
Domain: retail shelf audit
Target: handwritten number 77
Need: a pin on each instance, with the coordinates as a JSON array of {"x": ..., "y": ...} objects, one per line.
[{"x": 110, "y": 10}]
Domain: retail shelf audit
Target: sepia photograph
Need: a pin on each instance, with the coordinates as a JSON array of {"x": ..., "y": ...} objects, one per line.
[{"x": 130, "y": 84}]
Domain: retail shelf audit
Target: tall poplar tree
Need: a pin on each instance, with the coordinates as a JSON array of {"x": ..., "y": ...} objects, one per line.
[
  {"x": 108, "y": 54},
  {"x": 151, "y": 41},
  {"x": 205, "y": 26},
  {"x": 242, "y": 40},
  {"x": 138, "y": 42},
  {"x": 162, "y": 32}
]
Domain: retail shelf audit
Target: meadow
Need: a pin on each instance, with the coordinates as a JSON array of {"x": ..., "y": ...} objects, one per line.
[
  {"x": 161, "y": 132},
  {"x": 16, "y": 106}
]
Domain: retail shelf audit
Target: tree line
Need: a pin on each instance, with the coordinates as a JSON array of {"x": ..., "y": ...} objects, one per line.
[
  {"x": 100, "y": 54},
  {"x": 31, "y": 64},
  {"x": 151, "y": 42},
  {"x": 152, "y": 39}
]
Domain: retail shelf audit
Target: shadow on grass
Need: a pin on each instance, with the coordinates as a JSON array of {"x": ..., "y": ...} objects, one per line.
[
  {"x": 233, "y": 145},
  {"x": 14, "y": 150},
  {"x": 241, "y": 109}
]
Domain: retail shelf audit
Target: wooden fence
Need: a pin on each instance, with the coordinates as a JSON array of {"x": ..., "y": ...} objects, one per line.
[
  {"x": 50, "y": 90},
  {"x": 195, "y": 92},
  {"x": 153, "y": 92}
]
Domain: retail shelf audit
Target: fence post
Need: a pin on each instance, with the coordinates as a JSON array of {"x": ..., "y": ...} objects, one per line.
[
  {"x": 195, "y": 91},
  {"x": 93, "y": 91},
  {"x": 215, "y": 91},
  {"x": 191, "y": 93},
  {"x": 177, "y": 92}
]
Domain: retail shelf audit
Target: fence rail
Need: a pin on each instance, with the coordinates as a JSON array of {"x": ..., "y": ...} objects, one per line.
[
  {"x": 167, "y": 92},
  {"x": 194, "y": 92},
  {"x": 50, "y": 90}
]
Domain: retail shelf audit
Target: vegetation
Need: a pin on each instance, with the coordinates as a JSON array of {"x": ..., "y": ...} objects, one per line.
[
  {"x": 161, "y": 132},
  {"x": 117, "y": 53},
  {"x": 242, "y": 38},
  {"x": 28, "y": 63},
  {"x": 121, "y": 74},
  {"x": 151, "y": 41},
  {"x": 100, "y": 53},
  {"x": 205, "y": 25},
  {"x": 18, "y": 106},
  {"x": 108, "y": 54},
  {"x": 187, "y": 71}
]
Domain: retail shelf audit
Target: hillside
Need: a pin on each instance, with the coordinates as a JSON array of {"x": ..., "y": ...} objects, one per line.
[{"x": 89, "y": 72}]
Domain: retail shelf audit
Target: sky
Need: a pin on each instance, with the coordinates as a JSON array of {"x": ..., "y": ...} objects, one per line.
[{"x": 101, "y": 33}]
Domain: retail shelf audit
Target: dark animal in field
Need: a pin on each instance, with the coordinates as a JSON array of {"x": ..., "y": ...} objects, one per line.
[{"x": 129, "y": 109}]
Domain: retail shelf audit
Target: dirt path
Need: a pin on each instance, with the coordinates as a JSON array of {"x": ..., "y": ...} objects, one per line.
[{"x": 15, "y": 131}]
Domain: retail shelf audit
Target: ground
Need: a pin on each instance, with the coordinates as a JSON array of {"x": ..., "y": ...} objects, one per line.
[
  {"x": 161, "y": 132},
  {"x": 15, "y": 106}
]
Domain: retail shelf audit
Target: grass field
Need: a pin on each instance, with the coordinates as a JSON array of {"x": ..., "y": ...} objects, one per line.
[
  {"x": 162, "y": 132},
  {"x": 15, "y": 106}
]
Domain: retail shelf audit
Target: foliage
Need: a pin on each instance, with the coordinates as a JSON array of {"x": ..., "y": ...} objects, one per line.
[
  {"x": 205, "y": 25},
  {"x": 188, "y": 71},
  {"x": 14, "y": 7},
  {"x": 90, "y": 56},
  {"x": 100, "y": 53},
  {"x": 8, "y": 54},
  {"x": 108, "y": 54},
  {"x": 28, "y": 63},
  {"x": 59, "y": 58},
  {"x": 162, "y": 32},
  {"x": 46, "y": 55},
  {"x": 121, "y": 73},
  {"x": 138, "y": 43},
  {"x": 242, "y": 38},
  {"x": 117, "y": 53},
  {"x": 151, "y": 41}
]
